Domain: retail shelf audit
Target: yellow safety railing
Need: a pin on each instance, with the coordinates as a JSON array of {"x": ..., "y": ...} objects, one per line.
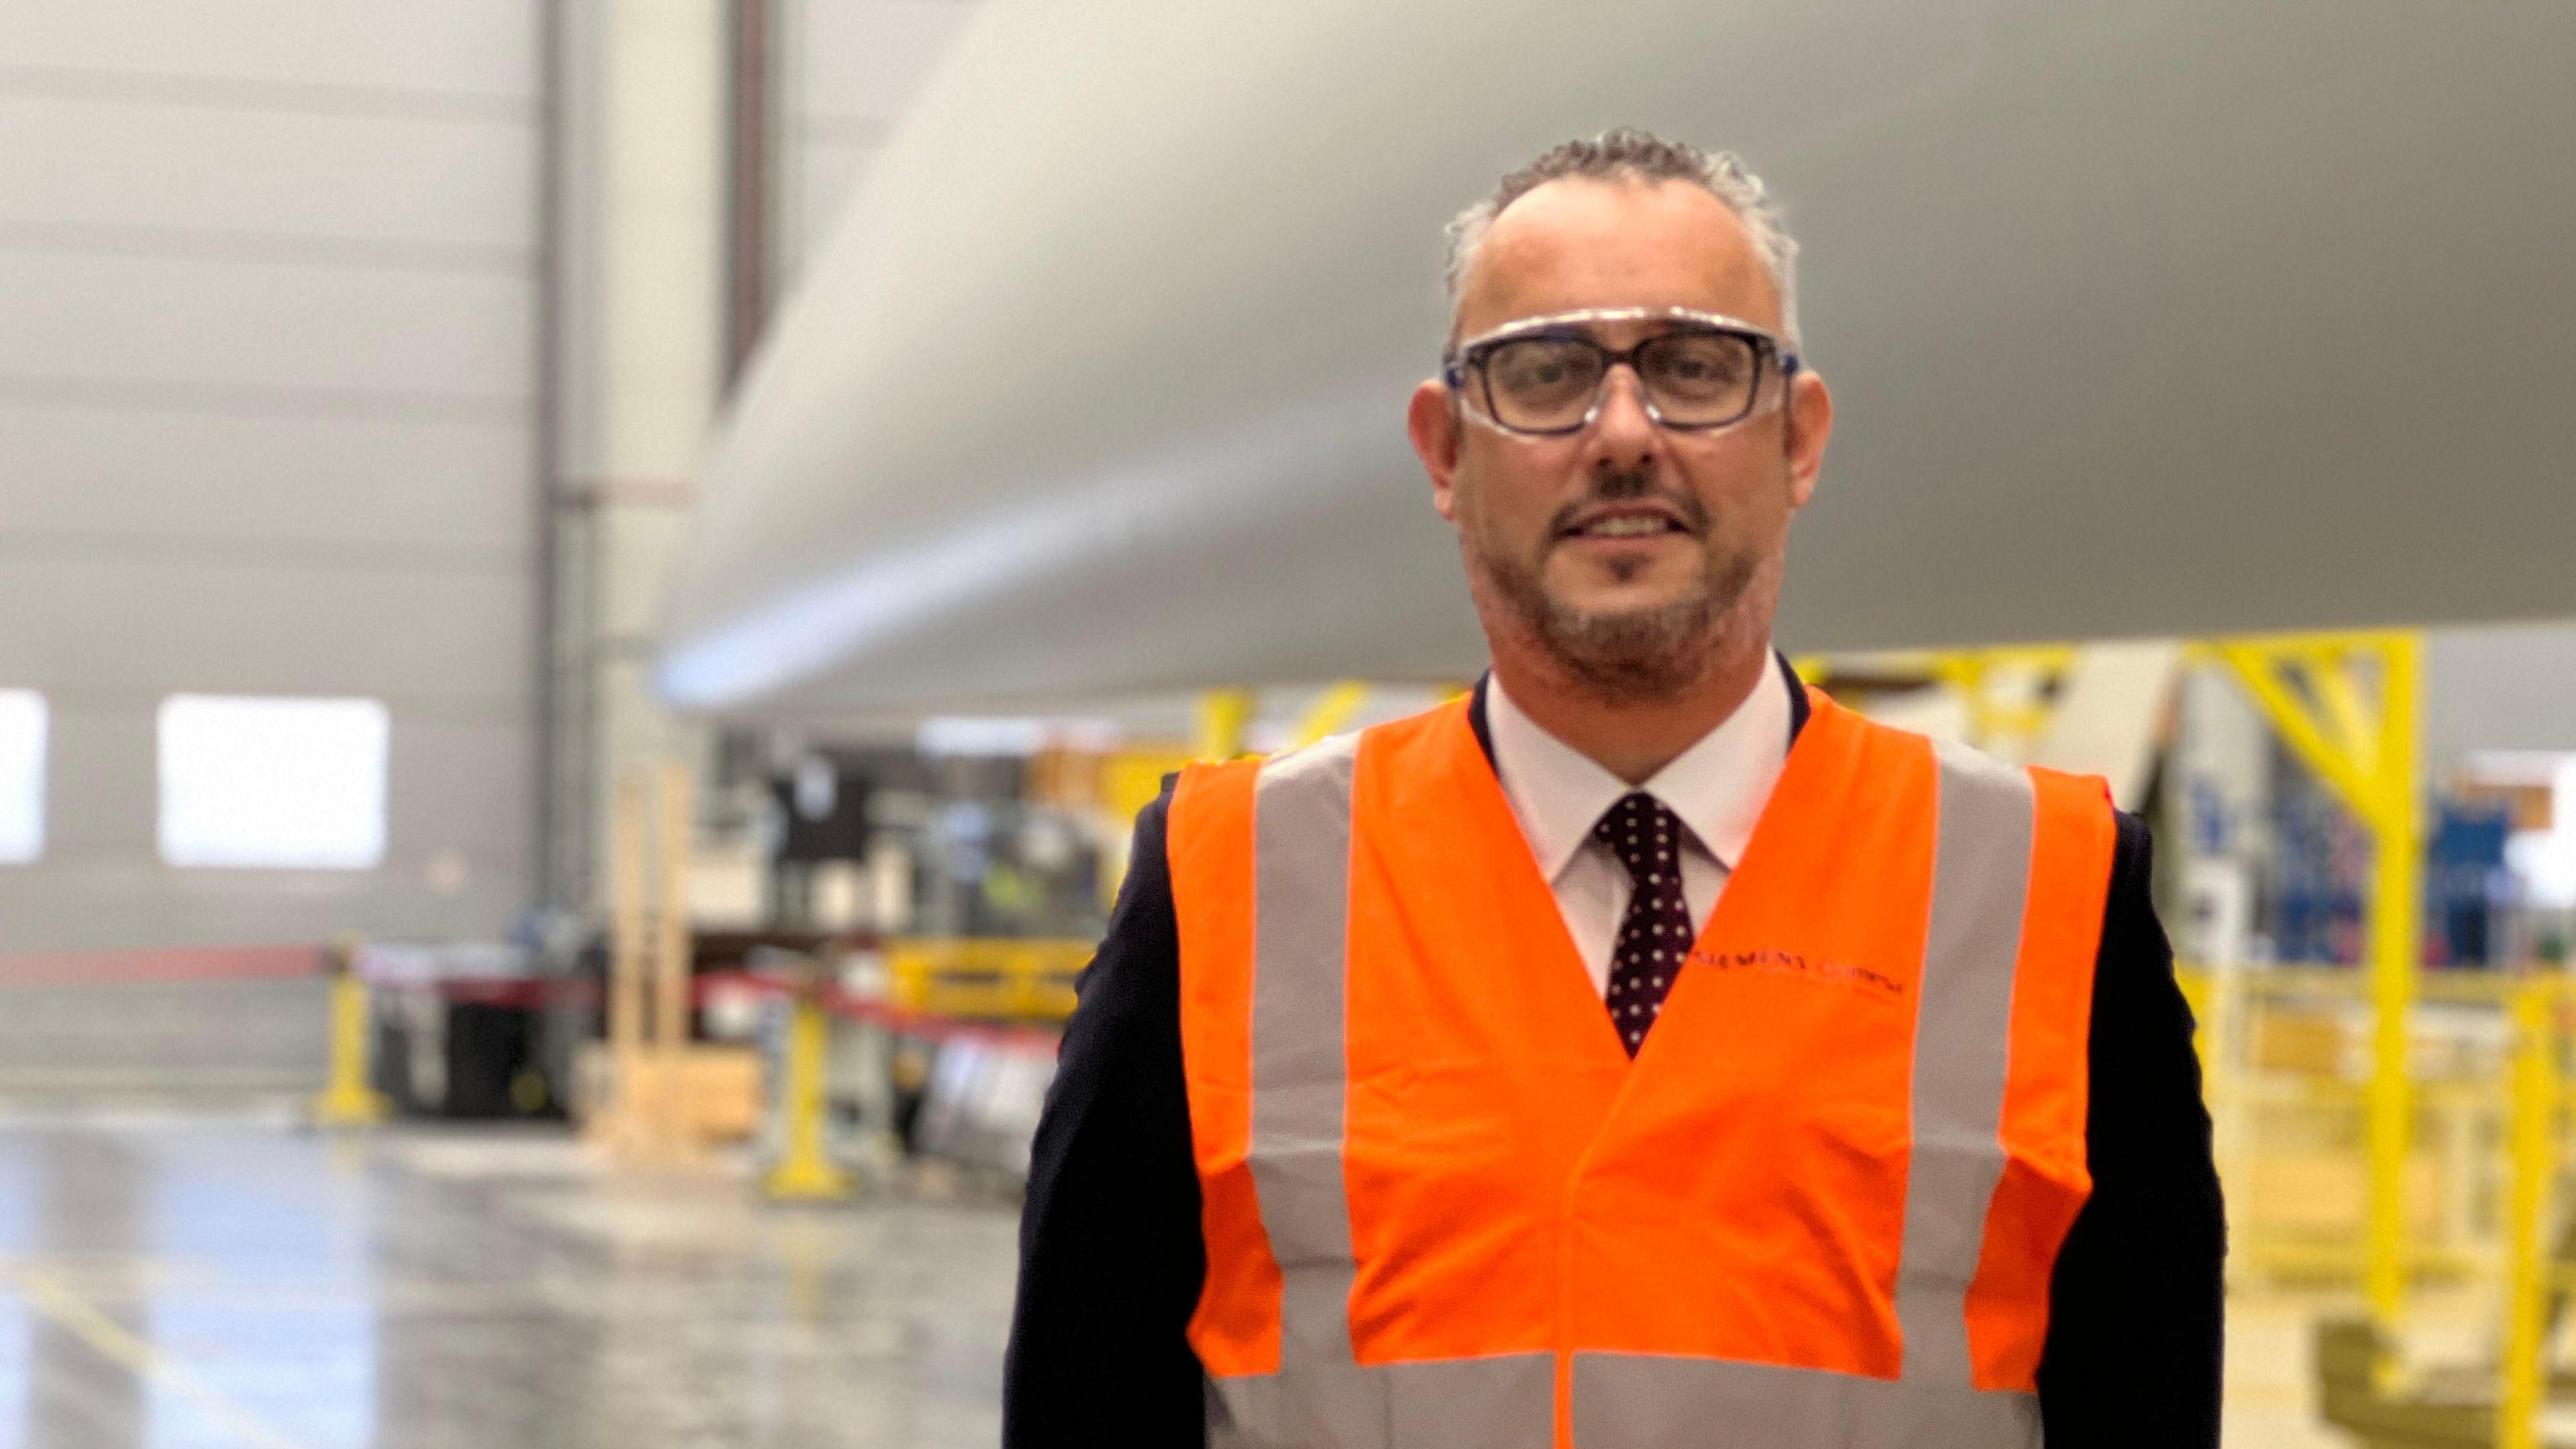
[
  {"x": 2276, "y": 1037},
  {"x": 2537, "y": 1096},
  {"x": 986, "y": 979},
  {"x": 2512, "y": 1088},
  {"x": 2519, "y": 1096}
]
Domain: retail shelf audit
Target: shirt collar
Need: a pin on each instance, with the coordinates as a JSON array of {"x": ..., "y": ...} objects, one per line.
[{"x": 1718, "y": 786}]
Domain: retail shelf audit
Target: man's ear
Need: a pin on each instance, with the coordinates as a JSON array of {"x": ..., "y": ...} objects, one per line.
[
  {"x": 1432, "y": 421},
  {"x": 1810, "y": 423}
]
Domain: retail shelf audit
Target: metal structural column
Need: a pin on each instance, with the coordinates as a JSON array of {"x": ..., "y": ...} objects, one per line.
[{"x": 2312, "y": 688}]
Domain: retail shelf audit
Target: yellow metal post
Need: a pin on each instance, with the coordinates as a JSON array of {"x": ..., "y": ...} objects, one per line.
[
  {"x": 1332, "y": 713},
  {"x": 1223, "y": 716},
  {"x": 347, "y": 1100},
  {"x": 2371, "y": 763},
  {"x": 805, "y": 1171},
  {"x": 2397, "y": 871},
  {"x": 2535, "y": 1105}
]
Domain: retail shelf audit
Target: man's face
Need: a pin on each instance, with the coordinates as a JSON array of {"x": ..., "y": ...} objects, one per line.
[{"x": 1626, "y": 550}]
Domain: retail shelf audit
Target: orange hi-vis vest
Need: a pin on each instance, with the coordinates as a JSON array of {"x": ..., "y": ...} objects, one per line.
[{"x": 1443, "y": 1208}]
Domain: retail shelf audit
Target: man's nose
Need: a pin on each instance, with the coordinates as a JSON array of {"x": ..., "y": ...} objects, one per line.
[{"x": 1623, "y": 435}]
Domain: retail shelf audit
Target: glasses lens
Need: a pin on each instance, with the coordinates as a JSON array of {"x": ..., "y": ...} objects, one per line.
[
  {"x": 1543, "y": 382},
  {"x": 1699, "y": 379}
]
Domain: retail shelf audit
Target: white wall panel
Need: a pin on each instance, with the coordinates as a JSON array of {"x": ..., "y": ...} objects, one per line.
[
  {"x": 437, "y": 487},
  {"x": 194, "y": 322},
  {"x": 430, "y": 190},
  {"x": 268, "y": 270},
  {"x": 100, "y": 776},
  {"x": 443, "y": 639},
  {"x": 456, "y": 795},
  {"x": 470, "y": 48},
  {"x": 458, "y": 784},
  {"x": 120, "y": 904},
  {"x": 2512, "y": 687}
]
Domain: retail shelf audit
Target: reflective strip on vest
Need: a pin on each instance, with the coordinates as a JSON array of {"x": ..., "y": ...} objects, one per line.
[{"x": 1319, "y": 1397}]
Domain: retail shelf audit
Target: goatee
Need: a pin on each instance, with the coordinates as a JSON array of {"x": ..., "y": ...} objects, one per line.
[{"x": 1629, "y": 656}]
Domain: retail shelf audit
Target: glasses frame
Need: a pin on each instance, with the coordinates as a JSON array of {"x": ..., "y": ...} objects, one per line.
[{"x": 1471, "y": 355}]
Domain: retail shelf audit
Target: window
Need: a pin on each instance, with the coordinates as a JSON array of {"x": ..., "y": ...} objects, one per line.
[
  {"x": 283, "y": 783},
  {"x": 22, "y": 776}
]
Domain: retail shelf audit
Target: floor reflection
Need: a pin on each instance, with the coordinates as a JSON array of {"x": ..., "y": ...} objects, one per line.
[
  {"x": 169, "y": 1287},
  {"x": 80, "y": 1196}
]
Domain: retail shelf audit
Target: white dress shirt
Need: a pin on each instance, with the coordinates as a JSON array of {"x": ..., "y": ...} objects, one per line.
[{"x": 1718, "y": 787}]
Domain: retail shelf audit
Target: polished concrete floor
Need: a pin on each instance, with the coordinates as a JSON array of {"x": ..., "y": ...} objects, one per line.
[
  {"x": 187, "y": 1283},
  {"x": 191, "y": 1283}
]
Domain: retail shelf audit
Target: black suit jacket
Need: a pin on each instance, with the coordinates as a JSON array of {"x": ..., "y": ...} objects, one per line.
[{"x": 1111, "y": 1260}]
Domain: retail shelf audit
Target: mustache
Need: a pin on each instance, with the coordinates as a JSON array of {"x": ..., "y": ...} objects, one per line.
[{"x": 1629, "y": 485}]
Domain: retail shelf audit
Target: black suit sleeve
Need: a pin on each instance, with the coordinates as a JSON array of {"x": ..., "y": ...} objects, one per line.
[
  {"x": 1110, "y": 1255},
  {"x": 2133, "y": 1355}
]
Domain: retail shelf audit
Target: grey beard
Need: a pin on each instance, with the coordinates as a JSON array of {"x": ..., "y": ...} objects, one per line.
[{"x": 1640, "y": 656}]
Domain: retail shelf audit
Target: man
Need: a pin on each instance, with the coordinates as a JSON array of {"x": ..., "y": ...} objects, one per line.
[{"x": 1642, "y": 1051}]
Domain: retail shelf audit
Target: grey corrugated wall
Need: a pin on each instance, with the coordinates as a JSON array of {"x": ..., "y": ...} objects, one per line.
[{"x": 268, "y": 269}]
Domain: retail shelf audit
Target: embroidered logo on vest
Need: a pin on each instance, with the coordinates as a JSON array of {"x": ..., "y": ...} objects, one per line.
[{"x": 1799, "y": 964}]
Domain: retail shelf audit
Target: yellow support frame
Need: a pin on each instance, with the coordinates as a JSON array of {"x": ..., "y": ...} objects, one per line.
[{"x": 2311, "y": 688}]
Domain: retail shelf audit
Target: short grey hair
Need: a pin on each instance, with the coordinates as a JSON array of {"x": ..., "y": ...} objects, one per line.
[{"x": 1630, "y": 154}]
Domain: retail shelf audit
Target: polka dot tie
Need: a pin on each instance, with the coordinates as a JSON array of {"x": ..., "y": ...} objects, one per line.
[{"x": 1656, "y": 932}]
